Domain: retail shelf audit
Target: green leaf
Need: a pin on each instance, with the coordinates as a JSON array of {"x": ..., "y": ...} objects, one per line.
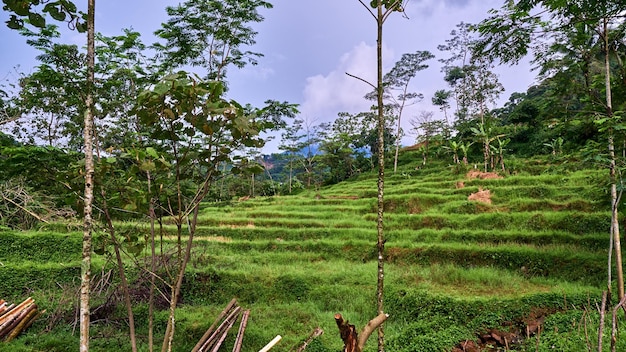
[
  {"x": 58, "y": 15},
  {"x": 68, "y": 5},
  {"x": 152, "y": 152},
  {"x": 37, "y": 20},
  {"x": 15, "y": 23},
  {"x": 147, "y": 166}
]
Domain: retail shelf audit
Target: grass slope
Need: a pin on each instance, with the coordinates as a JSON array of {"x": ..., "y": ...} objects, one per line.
[{"x": 455, "y": 268}]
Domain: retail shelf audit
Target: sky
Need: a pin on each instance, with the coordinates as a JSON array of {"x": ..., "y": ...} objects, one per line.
[{"x": 308, "y": 47}]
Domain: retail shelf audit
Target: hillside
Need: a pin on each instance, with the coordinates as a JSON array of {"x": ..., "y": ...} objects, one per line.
[{"x": 521, "y": 269}]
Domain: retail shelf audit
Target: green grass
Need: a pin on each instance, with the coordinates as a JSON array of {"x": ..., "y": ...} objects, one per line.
[{"x": 454, "y": 267}]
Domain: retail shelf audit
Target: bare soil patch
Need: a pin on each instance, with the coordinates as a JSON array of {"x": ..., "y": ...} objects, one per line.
[
  {"x": 476, "y": 174},
  {"x": 483, "y": 196}
]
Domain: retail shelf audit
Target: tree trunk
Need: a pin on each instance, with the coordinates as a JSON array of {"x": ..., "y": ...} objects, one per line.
[
  {"x": 612, "y": 168},
  {"x": 122, "y": 273},
  {"x": 352, "y": 341},
  {"x": 381, "y": 175},
  {"x": 85, "y": 288},
  {"x": 152, "y": 272}
]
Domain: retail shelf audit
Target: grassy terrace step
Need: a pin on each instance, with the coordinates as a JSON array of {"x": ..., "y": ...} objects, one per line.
[
  {"x": 564, "y": 262},
  {"x": 573, "y": 222},
  {"x": 40, "y": 246},
  {"x": 278, "y": 212},
  {"x": 354, "y": 222},
  {"x": 327, "y": 282},
  {"x": 587, "y": 242},
  {"x": 590, "y": 242},
  {"x": 19, "y": 280}
]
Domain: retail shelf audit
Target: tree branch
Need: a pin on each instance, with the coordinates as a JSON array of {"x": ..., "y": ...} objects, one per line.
[
  {"x": 351, "y": 340},
  {"x": 362, "y": 80},
  {"x": 370, "y": 327},
  {"x": 368, "y": 9}
]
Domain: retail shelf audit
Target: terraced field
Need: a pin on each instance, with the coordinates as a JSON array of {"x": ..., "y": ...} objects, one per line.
[{"x": 521, "y": 270}]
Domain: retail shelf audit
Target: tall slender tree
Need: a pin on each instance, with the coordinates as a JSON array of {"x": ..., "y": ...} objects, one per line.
[
  {"x": 380, "y": 11},
  {"x": 396, "y": 84},
  {"x": 88, "y": 129}
]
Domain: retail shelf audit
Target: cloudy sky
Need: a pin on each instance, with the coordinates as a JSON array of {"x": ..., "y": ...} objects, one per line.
[{"x": 309, "y": 45}]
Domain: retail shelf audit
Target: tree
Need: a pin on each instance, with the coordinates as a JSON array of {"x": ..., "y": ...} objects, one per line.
[
  {"x": 60, "y": 10},
  {"x": 425, "y": 128},
  {"x": 384, "y": 8},
  {"x": 291, "y": 146},
  {"x": 211, "y": 34},
  {"x": 89, "y": 172},
  {"x": 123, "y": 71},
  {"x": 199, "y": 130},
  {"x": 397, "y": 80},
  {"x": 509, "y": 34},
  {"x": 440, "y": 99},
  {"x": 470, "y": 76},
  {"x": 53, "y": 97}
]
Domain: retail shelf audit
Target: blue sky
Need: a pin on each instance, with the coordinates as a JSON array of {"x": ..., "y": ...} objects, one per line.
[{"x": 308, "y": 45}]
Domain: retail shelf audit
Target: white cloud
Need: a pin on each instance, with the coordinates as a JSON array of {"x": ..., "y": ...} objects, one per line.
[{"x": 327, "y": 94}]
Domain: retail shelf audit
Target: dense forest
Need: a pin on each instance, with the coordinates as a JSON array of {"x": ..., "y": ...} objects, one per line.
[{"x": 164, "y": 142}]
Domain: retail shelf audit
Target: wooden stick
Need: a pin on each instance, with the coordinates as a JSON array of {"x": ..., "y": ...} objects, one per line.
[
  {"x": 220, "y": 329},
  {"x": 271, "y": 344},
  {"x": 17, "y": 318},
  {"x": 209, "y": 331},
  {"x": 242, "y": 329},
  {"x": 225, "y": 331},
  {"x": 315, "y": 334},
  {"x": 26, "y": 210},
  {"x": 17, "y": 308},
  {"x": 23, "y": 324}
]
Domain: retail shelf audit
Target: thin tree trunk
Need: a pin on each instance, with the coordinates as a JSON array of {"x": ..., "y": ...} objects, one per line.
[
  {"x": 175, "y": 288},
  {"x": 395, "y": 158},
  {"x": 152, "y": 273},
  {"x": 602, "y": 317},
  {"x": 85, "y": 288},
  {"x": 612, "y": 169},
  {"x": 381, "y": 176},
  {"x": 121, "y": 270},
  {"x": 486, "y": 154}
]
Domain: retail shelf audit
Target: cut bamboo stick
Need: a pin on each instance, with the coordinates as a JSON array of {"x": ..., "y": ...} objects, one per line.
[
  {"x": 14, "y": 319},
  {"x": 242, "y": 330},
  {"x": 271, "y": 344},
  {"x": 209, "y": 331}
]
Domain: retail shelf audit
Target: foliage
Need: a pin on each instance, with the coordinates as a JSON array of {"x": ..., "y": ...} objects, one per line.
[
  {"x": 27, "y": 11},
  {"x": 211, "y": 34}
]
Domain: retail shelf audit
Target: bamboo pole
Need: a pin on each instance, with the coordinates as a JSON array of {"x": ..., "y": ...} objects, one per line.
[
  {"x": 23, "y": 324},
  {"x": 271, "y": 344},
  {"x": 209, "y": 331},
  {"x": 242, "y": 329},
  {"x": 211, "y": 341}
]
